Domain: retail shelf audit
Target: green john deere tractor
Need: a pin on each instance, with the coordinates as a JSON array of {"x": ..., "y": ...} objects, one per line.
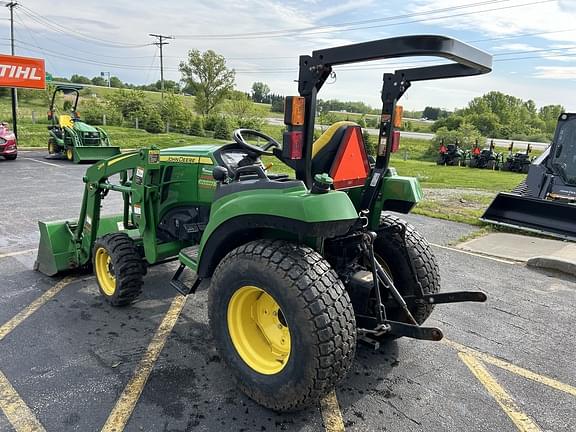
[
  {"x": 73, "y": 139},
  {"x": 300, "y": 268}
]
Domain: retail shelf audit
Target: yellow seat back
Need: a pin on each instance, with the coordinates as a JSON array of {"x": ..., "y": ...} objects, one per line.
[
  {"x": 65, "y": 120},
  {"x": 325, "y": 138}
]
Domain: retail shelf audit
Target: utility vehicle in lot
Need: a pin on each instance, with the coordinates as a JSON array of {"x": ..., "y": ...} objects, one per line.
[
  {"x": 72, "y": 138},
  {"x": 300, "y": 268}
]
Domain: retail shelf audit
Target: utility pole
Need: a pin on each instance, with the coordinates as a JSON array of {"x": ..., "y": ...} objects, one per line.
[
  {"x": 160, "y": 42},
  {"x": 11, "y": 5},
  {"x": 103, "y": 74}
]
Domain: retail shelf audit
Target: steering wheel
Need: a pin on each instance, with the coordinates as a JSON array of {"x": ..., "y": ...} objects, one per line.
[{"x": 238, "y": 136}]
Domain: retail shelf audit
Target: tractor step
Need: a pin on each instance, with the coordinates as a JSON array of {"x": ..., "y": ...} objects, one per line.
[
  {"x": 189, "y": 256},
  {"x": 180, "y": 286},
  {"x": 455, "y": 297}
]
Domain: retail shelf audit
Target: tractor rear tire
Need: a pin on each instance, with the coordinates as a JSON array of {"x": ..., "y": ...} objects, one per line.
[
  {"x": 282, "y": 322},
  {"x": 119, "y": 268},
  {"x": 410, "y": 260}
]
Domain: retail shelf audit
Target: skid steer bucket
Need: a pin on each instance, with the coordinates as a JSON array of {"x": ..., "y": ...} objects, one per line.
[
  {"x": 554, "y": 218},
  {"x": 94, "y": 153},
  {"x": 56, "y": 251}
]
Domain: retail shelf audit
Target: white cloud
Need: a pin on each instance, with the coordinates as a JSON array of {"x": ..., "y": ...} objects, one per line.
[{"x": 556, "y": 72}]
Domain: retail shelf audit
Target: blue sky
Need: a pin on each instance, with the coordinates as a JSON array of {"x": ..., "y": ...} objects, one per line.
[{"x": 533, "y": 41}]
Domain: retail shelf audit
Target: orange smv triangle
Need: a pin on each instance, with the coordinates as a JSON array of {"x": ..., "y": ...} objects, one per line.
[{"x": 350, "y": 167}]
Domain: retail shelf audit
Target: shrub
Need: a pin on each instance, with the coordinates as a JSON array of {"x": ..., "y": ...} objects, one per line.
[
  {"x": 197, "y": 127},
  {"x": 222, "y": 129},
  {"x": 153, "y": 122},
  {"x": 93, "y": 110}
]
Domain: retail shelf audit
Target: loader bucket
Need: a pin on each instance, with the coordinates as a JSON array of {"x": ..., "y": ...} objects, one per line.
[
  {"x": 56, "y": 251},
  {"x": 553, "y": 218},
  {"x": 94, "y": 153}
]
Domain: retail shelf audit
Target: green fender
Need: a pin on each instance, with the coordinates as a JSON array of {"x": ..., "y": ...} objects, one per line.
[{"x": 238, "y": 217}]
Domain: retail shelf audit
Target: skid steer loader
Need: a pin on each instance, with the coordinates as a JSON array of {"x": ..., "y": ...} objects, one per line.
[
  {"x": 545, "y": 202},
  {"x": 70, "y": 137},
  {"x": 300, "y": 268}
]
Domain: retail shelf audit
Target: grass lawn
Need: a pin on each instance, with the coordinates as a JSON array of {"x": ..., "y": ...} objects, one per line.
[
  {"x": 37, "y": 136},
  {"x": 458, "y": 194}
]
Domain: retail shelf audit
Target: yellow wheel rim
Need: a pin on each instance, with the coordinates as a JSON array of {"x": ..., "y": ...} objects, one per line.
[
  {"x": 105, "y": 271},
  {"x": 51, "y": 148},
  {"x": 69, "y": 154},
  {"x": 258, "y": 330}
]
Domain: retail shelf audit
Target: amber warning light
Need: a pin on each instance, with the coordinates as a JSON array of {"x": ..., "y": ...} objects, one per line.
[{"x": 294, "y": 111}]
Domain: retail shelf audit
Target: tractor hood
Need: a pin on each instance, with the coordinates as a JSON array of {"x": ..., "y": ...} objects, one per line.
[{"x": 80, "y": 126}]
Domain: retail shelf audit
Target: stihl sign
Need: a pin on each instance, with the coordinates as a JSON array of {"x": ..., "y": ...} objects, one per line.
[{"x": 22, "y": 72}]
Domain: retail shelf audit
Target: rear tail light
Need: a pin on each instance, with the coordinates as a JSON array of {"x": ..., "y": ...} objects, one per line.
[
  {"x": 395, "y": 141},
  {"x": 292, "y": 144}
]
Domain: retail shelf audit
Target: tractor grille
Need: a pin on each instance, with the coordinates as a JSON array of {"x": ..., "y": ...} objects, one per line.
[
  {"x": 91, "y": 141},
  {"x": 91, "y": 138}
]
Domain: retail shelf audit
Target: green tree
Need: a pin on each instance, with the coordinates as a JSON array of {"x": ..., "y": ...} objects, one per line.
[
  {"x": 80, "y": 79},
  {"x": 209, "y": 78},
  {"x": 487, "y": 124},
  {"x": 153, "y": 122},
  {"x": 93, "y": 111},
  {"x": 99, "y": 81},
  {"x": 549, "y": 114},
  {"x": 116, "y": 82},
  {"x": 245, "y": 114},
  {"x": 174, "y": 112},
  {"x": 466, "y": 135},
  {"x": 260, "y": 92},
  {"x": 222, "y": 128},
  {"x": 197, "y": 127},
  {"x": 131, "y": 103}
]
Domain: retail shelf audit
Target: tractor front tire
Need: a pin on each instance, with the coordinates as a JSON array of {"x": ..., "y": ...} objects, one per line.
[
  {"x": 70, "y": 154},
  {"x": 119, "y": 268},
  {"x": 408, "y": 257},
  {"x": 282, "y": 322}
]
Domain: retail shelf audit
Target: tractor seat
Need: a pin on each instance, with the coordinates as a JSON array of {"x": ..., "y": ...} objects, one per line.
[
  {"x": 65, "y": 120},
  {"x": 325, "y": 148},
  {"x": 332, "y": 154}
]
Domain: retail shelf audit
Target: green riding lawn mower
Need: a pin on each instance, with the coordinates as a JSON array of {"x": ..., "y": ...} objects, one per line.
[
  {"x": 70, "y": 137},
  {"x": 300, "y": 268}
]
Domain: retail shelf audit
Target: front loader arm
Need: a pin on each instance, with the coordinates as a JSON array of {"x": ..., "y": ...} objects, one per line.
[{"x": 97, "y": 186}]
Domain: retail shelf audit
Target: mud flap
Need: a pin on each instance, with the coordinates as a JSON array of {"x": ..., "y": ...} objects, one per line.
[{"x": 548, "y": 217}]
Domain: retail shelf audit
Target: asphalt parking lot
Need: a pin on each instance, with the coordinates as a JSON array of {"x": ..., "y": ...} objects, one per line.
[{"x": 70, "y": 362}]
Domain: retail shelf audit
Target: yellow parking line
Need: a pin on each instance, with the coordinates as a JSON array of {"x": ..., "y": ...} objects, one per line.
[
  {"x": 520, "y": 419},
  {"x": 16, "y": 411},
  {"x": 125, "y": 405},
  {"x": 525, "y": 373},
  {"x": 331, "y": 414},
  {"x": 22, "y": 252},
  {"x": 33, "y": 307}
]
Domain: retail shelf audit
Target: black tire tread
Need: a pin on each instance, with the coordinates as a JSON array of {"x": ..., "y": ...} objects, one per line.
[
  {"x": 129, "y": 267},
  {"x": 327, "y": 303},
  {"x": 421, "y": 255}
]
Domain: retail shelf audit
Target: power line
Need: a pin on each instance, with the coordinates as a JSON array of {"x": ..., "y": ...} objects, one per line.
[
  {"x": 160, "y": 43},
  {"x": 286, "y": 32},
  {"x": 57, "y": 27},
  {"x": 311, "y": 32}
]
